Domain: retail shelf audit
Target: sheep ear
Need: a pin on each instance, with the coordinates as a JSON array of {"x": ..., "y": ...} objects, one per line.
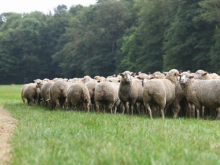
[
  {"x": 191, "y": 76},
  {"x": 178, "y": 74},
  {"x": 205, "y": 73},
  {"x": 121, "y": 74},
  {"x": 110, "y": 80},
  {"x": 119, "y": 80},
  {"x": 139, "y": 78},
  {"x": 133, "y": 74},
  {"x": 152, "y": 78}
]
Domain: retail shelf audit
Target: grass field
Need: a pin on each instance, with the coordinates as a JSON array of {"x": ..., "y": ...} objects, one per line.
[{"x": 75, "y": 137}]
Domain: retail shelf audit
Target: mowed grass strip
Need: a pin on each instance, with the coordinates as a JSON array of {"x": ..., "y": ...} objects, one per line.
[{"x": 75, "y": 137}]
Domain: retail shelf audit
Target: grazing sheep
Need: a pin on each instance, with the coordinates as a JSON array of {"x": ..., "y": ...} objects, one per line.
[
  {"x": 106, "y": 93},
  {"x": 201, "y": 92},
  {"x": 58, "y": 94},
  {"x": 160, "y": 92},
  {"x": 31, "y": 93},
  {"x": 130, "y": 91},
  {"x": 78, "y": 94}
]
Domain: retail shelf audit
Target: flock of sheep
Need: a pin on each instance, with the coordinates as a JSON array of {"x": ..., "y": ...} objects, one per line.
[{"x": 170, "y": 93}]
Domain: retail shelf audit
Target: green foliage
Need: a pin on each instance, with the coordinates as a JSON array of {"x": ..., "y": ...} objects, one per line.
[
  {"x": 188, "y": 39},
  {"x": 110, "y": 37}
]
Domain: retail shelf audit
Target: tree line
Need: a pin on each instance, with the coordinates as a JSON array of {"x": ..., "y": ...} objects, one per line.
[{"x": 110, "y": 37}]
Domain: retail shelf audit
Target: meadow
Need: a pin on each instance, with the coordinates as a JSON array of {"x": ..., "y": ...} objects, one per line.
[{"x": 76, "y": 137}]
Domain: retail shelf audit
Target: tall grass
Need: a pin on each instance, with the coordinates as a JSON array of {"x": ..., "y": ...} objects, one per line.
[{"x": 76, "y": 137}]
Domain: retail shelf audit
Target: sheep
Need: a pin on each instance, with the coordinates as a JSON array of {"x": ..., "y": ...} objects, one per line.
[
  {"x": 39, "y": 84},
  {"x": 99, "y": 79},
  {"x": 31, "y": 93},
  {"x": 201, "y": 92},
  {"x": 58, "y": 94},
  {"x": 159, "y": 75},
  {"x": 160, "y": 92},
  {"x": 202, "y": 75},
  {"x": 45, "y": 92},
  {"x": 106, "y": 93},
  {"x": 55, "y": 79},
  {"x": 37, "y": 80},
  {"x": 214, "y": 76},
  {"x": 77, "y": 94},
  {"x": 91, "y": 87},
  {"x": 130, "y": 91},
  {"x": 179, "y": 96},
  {"x": 87, "y": 79},
  {"x": 22, "y": 91}
]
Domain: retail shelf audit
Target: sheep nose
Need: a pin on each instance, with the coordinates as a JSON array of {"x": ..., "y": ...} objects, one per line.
[{"x": 182, "y": 80}]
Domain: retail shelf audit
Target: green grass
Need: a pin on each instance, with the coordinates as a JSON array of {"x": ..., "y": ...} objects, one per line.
[{"x": 75, "y": 137}]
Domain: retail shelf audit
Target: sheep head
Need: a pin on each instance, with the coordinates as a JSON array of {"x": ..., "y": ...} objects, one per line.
[
  {"x": 185, "y": 78},
  {"x": 127, "y": 76}
]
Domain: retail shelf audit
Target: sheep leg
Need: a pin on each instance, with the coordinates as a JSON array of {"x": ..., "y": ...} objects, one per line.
[
  {"x": 115, "y": 109},
  {"x": 138, "y": 106},
  {"x": 57, "y": 103},
  {"x": 176, "y": 112},
  {"x": 197, "y": 110},
  {"x": 97, "y": 106},
  {"x": 110, "y": 106},
  {"x": 88, "y": 106},
  {"x": 127, "y": 107},
  {"x": 69, "y": 104},
  {"x": 148, "y": 108},
  {"x": 193, "y": 110},
  {"x": 162, "y": 113},
  {"x": 218, "y": 113},
  {"x": 189, "y": 110},
  {"x": 203, "y": 110},
  {"x": 131, "y": 107}
]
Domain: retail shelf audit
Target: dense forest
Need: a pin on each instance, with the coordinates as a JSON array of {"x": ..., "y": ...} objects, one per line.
[{"x": 110, "y": 37}]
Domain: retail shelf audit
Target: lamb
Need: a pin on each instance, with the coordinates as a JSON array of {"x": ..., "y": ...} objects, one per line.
[
  {"x": 130, "y": 91},
  {"x": 77, "y": 94},
  {"x": 201, "y": 92},
  {"x": 31, "y": 93},
  {"x": 160, "y": 92},
  {"x": 106, "y": 93},
  {"x": 58, "y": 94}
]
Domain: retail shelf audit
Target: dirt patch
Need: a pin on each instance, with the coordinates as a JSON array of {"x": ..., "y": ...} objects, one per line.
[{"x": 7, "y": 125}]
